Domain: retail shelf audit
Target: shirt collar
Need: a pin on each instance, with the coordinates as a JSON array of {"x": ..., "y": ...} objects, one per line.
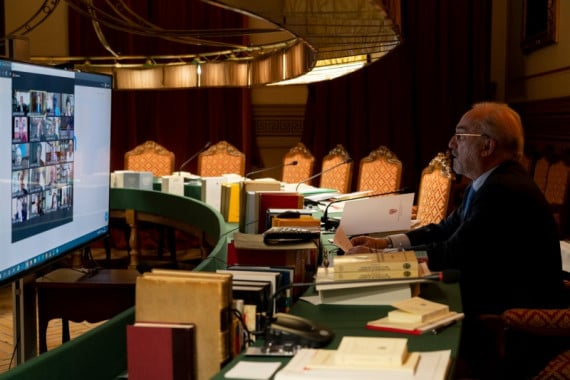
[{"x": 476, "y": 185}]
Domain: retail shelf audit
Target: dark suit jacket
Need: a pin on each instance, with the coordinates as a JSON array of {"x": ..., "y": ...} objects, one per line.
[{"x": 507, "y": 247}]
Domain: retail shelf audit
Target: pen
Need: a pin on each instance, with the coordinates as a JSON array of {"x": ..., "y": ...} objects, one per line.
[{"x": 439, "y": 329}]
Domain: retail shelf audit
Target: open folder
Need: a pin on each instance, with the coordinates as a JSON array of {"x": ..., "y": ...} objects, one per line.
[{"x": 377, "y": 214}]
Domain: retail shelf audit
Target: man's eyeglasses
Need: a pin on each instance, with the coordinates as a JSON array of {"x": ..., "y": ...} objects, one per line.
[{"x": 460, "y": 136}]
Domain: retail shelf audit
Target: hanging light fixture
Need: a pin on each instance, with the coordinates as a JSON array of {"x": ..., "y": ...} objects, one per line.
[{"x": 318, "y": 40}]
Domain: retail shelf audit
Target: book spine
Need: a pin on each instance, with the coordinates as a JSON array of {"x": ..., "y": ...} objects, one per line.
[
  {"x": 376, "y": 274},
  {"x": 250, "y": 315},
  {"x": 234, "y": 204},
  {"x": 394, "y": 329},
  {"x": 376, "y": 266}
]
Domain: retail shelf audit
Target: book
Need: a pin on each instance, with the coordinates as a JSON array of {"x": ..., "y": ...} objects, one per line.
[
  {"x": 180, "y": 296},
  {"x": 364, "y": 262},
  {"x": 301, "y": 221},
  {"x": 252, "y": 292},
  {"x": 275, "y": 199},
  {"x": 212, "y": 190},
  {"x": 161, "y": 351},
  {"x": 375, "y": 274},
  {"x": 432, "y": 365},
  {"x": 239, "y": 333},
  {"x": 248, "y": 203},
  {"x": 230, "y": 202},
  {"x": 365, "y": 295},
  {"x": 417, "y": 328},
  {"x": 417, "y": 309},
  {"x": 361, "y": 292},
  {"x": 274, "y": 278},
  {"x": 250, "y": 212},
  {"x": 329, "y": 360},
  {"x": 250, "y": 318},
  {"x": 375, "y": 352},
  {"x": 251, "y": 250},
  {"x": 275, "y": 212},
  {"x": 285, "y": 300}
]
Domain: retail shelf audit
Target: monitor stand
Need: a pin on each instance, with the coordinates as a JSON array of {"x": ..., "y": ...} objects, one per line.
[{"x": 24, "y": 319}]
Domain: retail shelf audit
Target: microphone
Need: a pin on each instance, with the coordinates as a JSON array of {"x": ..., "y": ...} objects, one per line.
[
  {"x": 328, "y": 224},
  {"x": 347, "y": 161},
  {"x": 292, "y": 163},
  {"x": 194, "y": 156}
]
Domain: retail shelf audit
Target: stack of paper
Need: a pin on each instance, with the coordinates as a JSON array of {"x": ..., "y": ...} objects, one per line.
[{"x": 366, "y": 358}]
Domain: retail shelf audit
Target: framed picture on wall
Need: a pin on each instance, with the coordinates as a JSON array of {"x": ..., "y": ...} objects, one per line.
[{"x": 538, "y": 24}]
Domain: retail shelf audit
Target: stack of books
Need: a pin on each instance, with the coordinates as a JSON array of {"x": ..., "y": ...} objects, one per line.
[
  {"x": 379, "y": 265},
  {"x": 416, "y": 316},
  {"x": 179, "y": 297},
  {"x": 359, "y": 292},
  {"x": 366, "y": 358}
]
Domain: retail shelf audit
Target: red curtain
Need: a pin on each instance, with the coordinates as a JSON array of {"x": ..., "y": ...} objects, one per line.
[
  {"x": 180, "y": 120},
  {"x": 411, "y": 99}
]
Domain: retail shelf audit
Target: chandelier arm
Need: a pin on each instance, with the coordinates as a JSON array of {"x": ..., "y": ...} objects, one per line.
[
  {"x": 46, "y": 9},
  {"x": 99, "y": 33}
]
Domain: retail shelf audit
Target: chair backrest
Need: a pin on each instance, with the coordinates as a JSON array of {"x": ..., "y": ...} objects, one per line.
[
  {"x": 150, "y": 157},
  {"x": 541, "y": 172},
  {"x": 221, "y": 158},
  {"x": 435, "y": 189},
  {"x": 556, "y": 186},
  {"x": 338, "y": 178},
  {"x": 527, "y": 163},
  {"x": 380, "y": 171},
  {"x": 303, "y": 169},
  {"x": 557, "y": 195}
]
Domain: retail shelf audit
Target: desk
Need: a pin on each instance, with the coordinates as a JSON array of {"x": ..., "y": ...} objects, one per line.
[
  {"x": 74, "y": 296},
  {"x": 350, "y": 321}
]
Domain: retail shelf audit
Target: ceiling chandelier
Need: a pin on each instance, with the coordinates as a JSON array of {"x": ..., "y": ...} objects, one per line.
[{"x": 293, "y": 42}]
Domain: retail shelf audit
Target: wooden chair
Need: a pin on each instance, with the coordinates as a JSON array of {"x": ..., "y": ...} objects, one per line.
[
  {"x": 556, "y": 193},
  {"x": 303, "y": 169},
  {"x": 221, "y": 158},
  {"x": 541, "y": 172},
  {"x": 340, "y": 177},
  {"x": 151, "y": 157},
  {"x": 380, "y": 171},
  {"x": 434, "y": 192},
  {"x": 527, "y": 338}
]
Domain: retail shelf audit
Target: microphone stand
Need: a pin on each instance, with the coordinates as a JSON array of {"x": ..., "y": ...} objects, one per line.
[
  {"x": 329, "y": 224},
  {"x": 347, "y": 161},
  {"x": 292, "y": 163},
  {"x": 193, "y": 156}
]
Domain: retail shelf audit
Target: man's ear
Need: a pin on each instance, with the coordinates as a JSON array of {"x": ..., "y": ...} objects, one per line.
[{"x": 488, "y": 147}]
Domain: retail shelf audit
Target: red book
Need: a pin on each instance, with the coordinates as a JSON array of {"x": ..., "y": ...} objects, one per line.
[
  {"x": 162, "y": 351},
  {"x": 276, "y": 199}
]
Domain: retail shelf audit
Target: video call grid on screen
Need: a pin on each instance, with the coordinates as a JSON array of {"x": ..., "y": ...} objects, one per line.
[{"x": 58, "y": 191}]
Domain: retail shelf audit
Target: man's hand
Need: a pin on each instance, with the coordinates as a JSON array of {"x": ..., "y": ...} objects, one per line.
[
  {"x": 367, "y": 244},
  {"x": 376, "y": 243}
]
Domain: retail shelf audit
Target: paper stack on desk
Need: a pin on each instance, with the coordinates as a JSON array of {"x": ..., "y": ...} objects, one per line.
[{"x": 366, "y": 358}]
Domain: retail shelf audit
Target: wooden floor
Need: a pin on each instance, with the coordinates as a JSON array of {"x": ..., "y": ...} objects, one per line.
[{"x": 7, "y": 356}]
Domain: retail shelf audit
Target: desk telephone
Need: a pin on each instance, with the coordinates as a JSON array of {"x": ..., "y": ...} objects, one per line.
[{"x": 290, "y": 235}]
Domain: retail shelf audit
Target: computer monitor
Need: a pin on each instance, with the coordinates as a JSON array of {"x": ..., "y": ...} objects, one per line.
[{"x": 55, "y": 166}]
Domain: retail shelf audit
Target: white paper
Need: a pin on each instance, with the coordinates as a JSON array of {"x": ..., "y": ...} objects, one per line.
[
  {"x": 433, "y": 365},
  {"x": 377, "y": 214},
  {"x": 252, "y": 370}
]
